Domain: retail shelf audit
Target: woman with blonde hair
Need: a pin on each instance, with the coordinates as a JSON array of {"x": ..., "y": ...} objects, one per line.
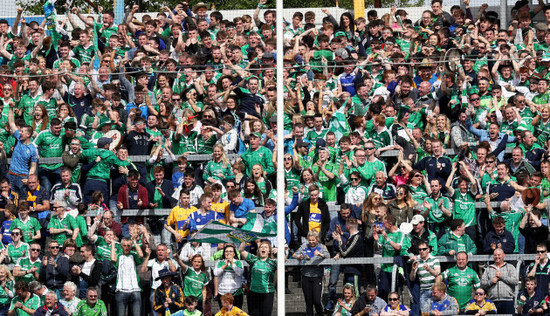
[
  {"x": 373, "y": 213},
  {"x": 218, "y": 170},
  {"x": 402, "y": 206},
  {"x": 343, "y": 307},
  {"x": 7, "y": 292}
]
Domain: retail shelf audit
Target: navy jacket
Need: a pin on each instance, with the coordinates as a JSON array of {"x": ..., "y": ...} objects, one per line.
[{"x": 505, "y": 239}]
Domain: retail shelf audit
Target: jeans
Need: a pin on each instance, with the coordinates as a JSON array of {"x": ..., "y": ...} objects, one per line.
[
  {"x": 93, "y": 185},
  {"x": 153, "y": 313},
  {"x": 16, "y": 182},
  {"x": 4, "y": 309},
  {"x": 125, "y": 301},
  {"x": 333, "y": 282},
  {"x": 384, "y": 284},
  {"x": 424, "y": 297},
  {"x": 49, "y": 177}
]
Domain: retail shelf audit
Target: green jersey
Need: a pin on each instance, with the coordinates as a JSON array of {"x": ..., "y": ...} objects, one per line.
[
  {"x": 102, "y": 169},
  {"x": 194, "y": 282},
  {"x": 427, "y": 280},
  {"x": 292, "y": 177},
  {"x": 262, "y": 156},
  {"x": 84, "y": 309},
  {"x": 27, "y": 104},
  {"x": 381, "y": 139},
  {"x": 33, "y": 302},
  {"x": 387, "y": 249},
  {"x": 25, "y": 264},
  {"x": 460, "y": 284},
  {"x": 104, "y": 249},
  {"x": 263, "y": 273},
  {"x": 184, "y": 144},
  {"x": 50, "y": 106},
  {"x": 314, "y": 135},
  {"x": 206, "y": 146},
  {"x": 329, "y": 185},
  {"x": 5, "y": 296},
  {"x": 368, "y": 171},
  {"x": 29, "y": 227},
  {"x": 464, "y": 207},
  {"x": 67, "y": 222},
  {"x": 107, "y": 32},
  {"x": 49, "y": 145},
  {"x": 18, "y": 252},
  {"x": 218, "y": 170},
  {"x": 84, "y": 54},
  {"x": 436, "y": 215}
]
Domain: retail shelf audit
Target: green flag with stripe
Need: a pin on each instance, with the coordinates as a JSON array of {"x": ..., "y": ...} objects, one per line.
[{"x": 255, "y": 228}]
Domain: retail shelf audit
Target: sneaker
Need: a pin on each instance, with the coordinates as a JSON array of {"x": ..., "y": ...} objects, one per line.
[{"x": 330, "y": 306}]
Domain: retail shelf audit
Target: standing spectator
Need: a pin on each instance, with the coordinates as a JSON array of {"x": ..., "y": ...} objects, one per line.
[
  {"x": 29, "y": 226},
  {"x": 312, "y": 276},
  {"x": 17, "y": 248},
  {"x": 428, "y": 271},
  {"x": 89, "y": 272},
  {"x": 195, "y": 279},
  {"x": 24, "y": 301},
  {"x": 456, "y": 240},
  {"x": 436, "y": 207},
  {"x": 369, "y": 304},
  {"x": 54, "y": 271},
  {"x": 499, "y": 238},
  {"x": 177, "y": 221},
  {"x": 461, "y": 279},
  {"x": 49, "y": 144},
  {"x": 238, "y": 208},
  {"x": 38, "y": 199},
  {"x": 92, "y": 305},
  {"x": 160, "y": 263},
  {"x": 127, "y": 289},
  {"x": 160, "y": 190},
  {"x": 540, "y": 269},
  {"x": 228, "y": 276},
  {"x": 257, "y": 154},
  {"x": 204, "y": 214},
  {"x": 24, "y": 156},
  {"x": 168, "y": 297},
  {"x": 312, "y": 214},
  {"x": 62, "y": 225},
  {"x": 533, "y": 229},
  {"x": 436, "y": 166},
  {"x": 441, "y": 303},
  {"x": 139, "y": 142},
  {"x": 262, "y": 271},
  {"x": 350, "y": 247},
  {"x": 500, "y": 279},
  {"x": 530, "y": 301},
  {"x": 390, "y": 241},
  {"x": 107, "y": 223},
  {"x": 6, "y": 283},
  {"x": 480, "y": 304},
  {"x": 67, "y": 191}
]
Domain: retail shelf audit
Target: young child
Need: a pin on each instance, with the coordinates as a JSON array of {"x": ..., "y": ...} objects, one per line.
[
  {"x": 9, "y": 213},
  {"x": 177, "y": 177},
  {"x": 219, "y": 204},
  {"x": 190, "y": 303}
]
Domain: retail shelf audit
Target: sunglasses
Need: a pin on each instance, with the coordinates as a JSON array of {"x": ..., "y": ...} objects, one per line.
[
  {"x": 541, "y": 251},
  {"x": 474, "y": 99},
  {"x": 480, "y": 293},
  {"x": 176, "y": 99},
  {"x": 35, "y": 250},
  {"x": 354, "y": 179},
  {"x": 393, "y": 299},
  {"x": 288, "y": 158},
  {"x": 417, "y": 176},
  {"x": 54, "y": 247},
  {"x": 490, "y": 161},
  {"x": 422, "y": 249},
  {"x": 15, "y": 234},
  {"x": 369, "y": 148}
]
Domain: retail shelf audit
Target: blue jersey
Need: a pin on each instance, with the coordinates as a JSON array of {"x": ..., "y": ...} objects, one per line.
[
  {"x": 177, "y": 179},
  {"x": 347, "y": 81},
  {"x": 242, "y": 209},
  {"x": 6, "y": 234},
  {"x": 197, "y": 220},
  {"x": 22, "y": 156}
]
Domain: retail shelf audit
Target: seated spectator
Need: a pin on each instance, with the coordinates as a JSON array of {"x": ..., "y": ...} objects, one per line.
[
  {"x": 344, "y": 304},
  {"x": 480, "y": 304},
  {"x": 24, "y": 301},
  {"x": 29, "y": 226},
  {"x": 499, "y": 279},
  {"x": 529, "y": 299},
  {"x": 382, "y": 187},
  {"x": 107, "y": 223},
  {"x": 456, "y": 240},
  {"x": 499, "y": 238},
  {"x": 369, "y": 303},
  {"x": 395, "y": 307},
  {"x": 91, "y": 305},
  {"x": 440, "y": 303},
  {"x": 51, "y": 306},
  {"x": 70, "y": 300}
]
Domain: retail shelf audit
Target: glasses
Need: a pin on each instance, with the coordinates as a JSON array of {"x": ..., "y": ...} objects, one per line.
[
  {"x": 35, "y": 250},
  {"x": 422, "y": 249},
  {"x": 490, "y": 161},
  {"x": 54, "y": 247},
  {"x": 377, "y": 199},
  {"x": 474, "y": 99},
  {"x": 176, "y": 99},
  {"x": 15, "y": 234},
  {"x": 417, "y": 176},
  {"x": 369, "y": 148},
  {"x": 393, "y": 299},
  {"x": 541, "y": 251},
  {"x": 480, "y": 293},
  {"x": 354, "y": 179},
  {"x": 288, "y": 158},
  {"x": 400, "y": 192}
]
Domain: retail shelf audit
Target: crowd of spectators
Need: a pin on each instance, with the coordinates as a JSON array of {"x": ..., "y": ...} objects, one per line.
[{"x": 411, "y": 129}]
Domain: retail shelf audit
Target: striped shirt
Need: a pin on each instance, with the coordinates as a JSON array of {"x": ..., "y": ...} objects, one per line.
[{"x": 424, "y": 276}]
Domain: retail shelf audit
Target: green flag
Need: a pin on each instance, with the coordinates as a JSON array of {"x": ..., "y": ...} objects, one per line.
[{"x": 255, "y": 228}]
